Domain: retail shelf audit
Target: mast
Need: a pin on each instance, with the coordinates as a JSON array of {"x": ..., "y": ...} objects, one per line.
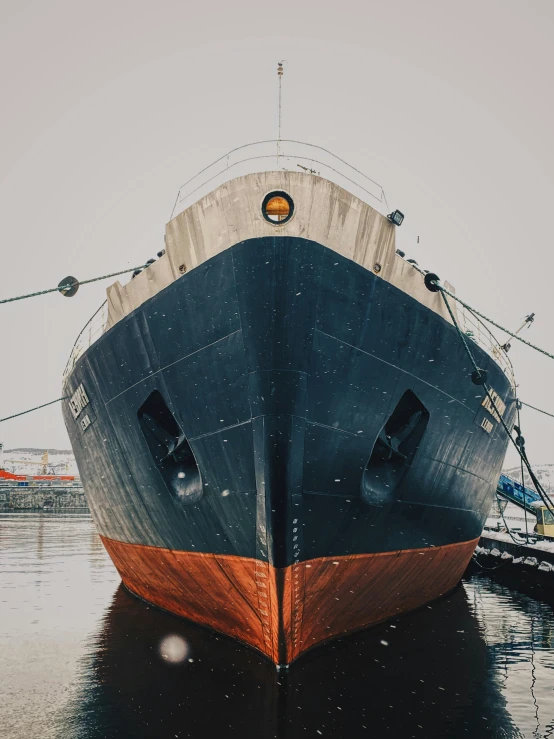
[{"x": 280, "y": 77}]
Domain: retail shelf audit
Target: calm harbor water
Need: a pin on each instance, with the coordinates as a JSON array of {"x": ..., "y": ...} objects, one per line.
[{"x": 79, "y": 657}]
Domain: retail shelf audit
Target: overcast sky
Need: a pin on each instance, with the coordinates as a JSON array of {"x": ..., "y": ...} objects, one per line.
[{"x": 107, "y": 107}]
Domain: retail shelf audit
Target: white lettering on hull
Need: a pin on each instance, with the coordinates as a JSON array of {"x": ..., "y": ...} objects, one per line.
[{"x": 78, "y": 401}]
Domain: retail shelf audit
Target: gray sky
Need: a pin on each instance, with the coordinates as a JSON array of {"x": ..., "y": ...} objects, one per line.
[{"x": 109, "y": 106}]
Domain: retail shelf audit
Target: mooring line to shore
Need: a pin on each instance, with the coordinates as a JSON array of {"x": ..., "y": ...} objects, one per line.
[
  {"x": 504, "y": 520},
  {"x": 433, "y": 283},
  {"x": 493, "y": 323},
  {"x": 64, "y": 288},
  {"x": 38, "y": 407},
  {"x": 546, "y": 413},
  {"x": 479, "y": 377}
]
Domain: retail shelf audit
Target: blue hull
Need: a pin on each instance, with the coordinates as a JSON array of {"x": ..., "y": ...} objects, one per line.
[{"x": 273, "y": 370}]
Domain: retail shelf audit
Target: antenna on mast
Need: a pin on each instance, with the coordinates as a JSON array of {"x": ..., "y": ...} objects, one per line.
[
  {"x": 280, "y": 77},
  {"x": 527, "y": 321}
]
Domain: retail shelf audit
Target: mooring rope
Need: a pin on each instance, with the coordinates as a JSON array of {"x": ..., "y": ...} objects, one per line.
[
  {"x": 479, "y": 374},
  {"x": 437, "y": 284},
  {"x": 489, "y": 569},
  {"x": 497, "y": 325},
  {"x": 60, "y": 288},
  {"x": 518, "y": 405},
  {"x": 38, "y": 407},
  {"x": 537, "y": 409},
  {"x": 504, "y": 520}
]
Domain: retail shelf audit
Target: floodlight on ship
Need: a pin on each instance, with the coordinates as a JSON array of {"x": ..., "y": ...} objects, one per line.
[{"x": 396, "y": 217}]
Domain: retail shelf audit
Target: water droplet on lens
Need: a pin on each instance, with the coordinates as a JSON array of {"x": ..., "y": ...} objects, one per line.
[{"x": 173, "y": 648}]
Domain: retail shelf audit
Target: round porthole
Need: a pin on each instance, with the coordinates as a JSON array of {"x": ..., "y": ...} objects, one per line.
[{"x": 277, "y": 207}]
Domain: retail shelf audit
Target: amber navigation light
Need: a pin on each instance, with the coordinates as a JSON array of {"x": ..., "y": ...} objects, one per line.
[{"x": 277, "y": 207}]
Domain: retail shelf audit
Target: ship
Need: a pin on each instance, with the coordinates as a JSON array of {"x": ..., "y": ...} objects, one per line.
[
  {"x": 46, "y": 477},
  {"x": 275, "y": 422}
]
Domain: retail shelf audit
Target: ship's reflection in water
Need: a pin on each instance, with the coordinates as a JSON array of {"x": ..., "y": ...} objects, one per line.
[{"x": 479, "y": 663}]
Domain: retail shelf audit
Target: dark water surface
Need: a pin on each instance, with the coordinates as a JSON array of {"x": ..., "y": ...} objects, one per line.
[{"x": 79, "y": 657}]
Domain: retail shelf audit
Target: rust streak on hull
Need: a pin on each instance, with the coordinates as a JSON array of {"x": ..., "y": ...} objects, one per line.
[{"x": 283, "y": 612}]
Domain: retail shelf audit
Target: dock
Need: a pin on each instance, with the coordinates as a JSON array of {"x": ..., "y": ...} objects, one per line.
[
  {"x": 519, "y": 555},
  {"x": 60, "y": 498}
]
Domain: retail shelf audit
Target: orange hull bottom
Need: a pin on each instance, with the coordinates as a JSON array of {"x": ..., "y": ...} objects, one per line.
[{"x": 283, "y": 612}]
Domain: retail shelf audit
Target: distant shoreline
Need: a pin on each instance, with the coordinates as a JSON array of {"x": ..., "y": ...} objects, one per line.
[{"x": 41, "y": 450}]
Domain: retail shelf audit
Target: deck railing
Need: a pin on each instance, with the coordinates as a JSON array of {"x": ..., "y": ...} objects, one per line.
[
  {"x": 284, "y": 155},
  {"x": 92, "y": 330}
]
